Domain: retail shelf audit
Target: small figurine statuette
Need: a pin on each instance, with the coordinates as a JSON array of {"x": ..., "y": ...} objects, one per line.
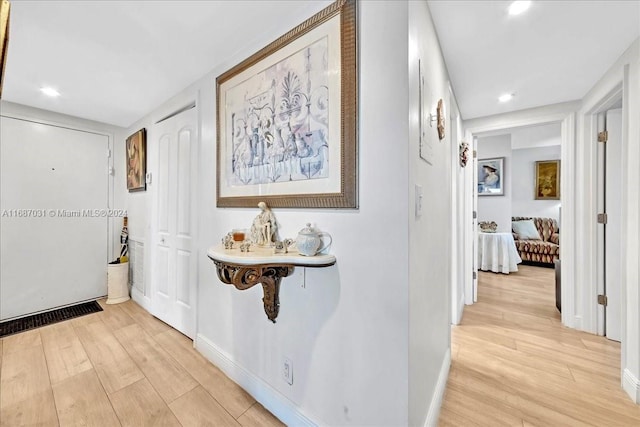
[
  {"x": 227, "y": 241},
  {"x": 282, "y": 247},
  {"x": 244, "y": 247},
  {"x": 264, "y": 227}
]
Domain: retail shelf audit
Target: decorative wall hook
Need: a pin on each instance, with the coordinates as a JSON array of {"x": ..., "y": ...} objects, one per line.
[
  {"x": 439, "y": 119},
  {"x": 464, "y": 153}
]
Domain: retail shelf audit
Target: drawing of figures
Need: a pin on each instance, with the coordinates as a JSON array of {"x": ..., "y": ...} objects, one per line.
[{"x": 279, "y": 119}]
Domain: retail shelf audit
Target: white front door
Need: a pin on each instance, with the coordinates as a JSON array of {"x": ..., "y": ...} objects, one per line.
[
  {"x": 54, "y": 195},
  {"x": 173, "y": 218}
]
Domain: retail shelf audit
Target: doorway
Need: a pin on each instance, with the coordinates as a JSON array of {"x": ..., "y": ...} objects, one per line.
[
  {"x": 514, "y": 166},
  {"x": 494, "y": 125},
  {"x": 609, "y": 237}
]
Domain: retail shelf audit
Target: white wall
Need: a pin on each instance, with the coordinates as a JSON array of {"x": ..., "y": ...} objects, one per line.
[
  {"x": 523, "y": 164},
  {"x": 347, "y": 330},
  {"x": 430, "y": 272},
  {"x": 497, "y": 208},
  {"x": 521, "y": 147},
  {"x": 536, "y": 136}
]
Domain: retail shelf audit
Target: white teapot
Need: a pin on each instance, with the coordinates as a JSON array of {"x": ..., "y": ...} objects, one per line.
[{"x": 309, "y": 240}]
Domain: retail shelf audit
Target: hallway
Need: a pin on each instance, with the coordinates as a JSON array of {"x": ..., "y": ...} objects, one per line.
[{"x": 513, "y": 363}]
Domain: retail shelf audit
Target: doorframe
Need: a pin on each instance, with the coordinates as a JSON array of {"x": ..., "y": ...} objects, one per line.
[
  {"x": 457, "y": 179},
  {"x": 586, "y": 220},
  {"x": 565, "y": 115}
]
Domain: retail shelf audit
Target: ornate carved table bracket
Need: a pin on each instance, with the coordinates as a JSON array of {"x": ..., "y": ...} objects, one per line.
[{"x": 245, "y": 270}]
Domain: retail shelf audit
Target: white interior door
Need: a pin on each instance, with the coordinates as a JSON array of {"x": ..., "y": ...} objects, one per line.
[
  {"x": 613, "y": 228},
  {"x": 609, "y": 201},
  {"x": 174, "y": 259},
  {"x": 52, "y": 254}
]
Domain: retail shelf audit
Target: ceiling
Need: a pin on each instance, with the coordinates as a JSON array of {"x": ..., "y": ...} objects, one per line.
[
  {"x": 115, "y": 61},
  {"x": 554, "y": 52}
]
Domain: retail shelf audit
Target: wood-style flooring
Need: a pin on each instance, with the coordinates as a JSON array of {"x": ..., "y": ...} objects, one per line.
[
  {"x": 121, "y": 366},
  {"x": 514, "y": 364}
]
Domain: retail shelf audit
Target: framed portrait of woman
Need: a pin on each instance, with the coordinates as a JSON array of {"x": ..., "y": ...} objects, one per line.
[{"x": 491, "y": 177}]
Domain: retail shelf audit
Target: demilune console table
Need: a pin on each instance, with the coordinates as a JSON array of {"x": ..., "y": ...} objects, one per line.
[{"x": 246, "y": 269}]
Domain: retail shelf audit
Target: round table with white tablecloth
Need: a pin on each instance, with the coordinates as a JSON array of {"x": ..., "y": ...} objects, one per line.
[{"x": 497, "y": 252}]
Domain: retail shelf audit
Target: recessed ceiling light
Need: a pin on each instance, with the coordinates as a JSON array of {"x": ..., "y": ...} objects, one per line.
[
  {"x": 506, "y": 97},
  {"x": 517, "y": 7},
  {"x": 49, "y": 91}
]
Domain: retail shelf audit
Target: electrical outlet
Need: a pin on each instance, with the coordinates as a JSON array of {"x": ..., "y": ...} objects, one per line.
[
  {"x": 287, "y": 370},
  {"x": 418, "y": 189}
]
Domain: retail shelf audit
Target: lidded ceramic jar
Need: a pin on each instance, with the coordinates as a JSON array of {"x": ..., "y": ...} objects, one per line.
[{"x": 309, "y": 241}]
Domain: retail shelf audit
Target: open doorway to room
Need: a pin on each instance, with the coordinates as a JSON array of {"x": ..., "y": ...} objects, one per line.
[{"x": 518, "y": 213}]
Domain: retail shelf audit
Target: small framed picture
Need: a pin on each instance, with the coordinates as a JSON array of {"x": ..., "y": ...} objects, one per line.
[
  {"x": 137, "y": 161},
  {"x": 491, "y": 177},
  {"x": 548, "y": 180}
]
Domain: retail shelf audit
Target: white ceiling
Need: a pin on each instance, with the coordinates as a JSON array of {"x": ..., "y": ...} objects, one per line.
[
  {"x": 115, "y": 61},
  {"x": 554, "y": 52}
]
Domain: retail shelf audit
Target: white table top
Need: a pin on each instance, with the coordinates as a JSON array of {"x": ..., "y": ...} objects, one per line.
[{"x": 264, "y": 255}]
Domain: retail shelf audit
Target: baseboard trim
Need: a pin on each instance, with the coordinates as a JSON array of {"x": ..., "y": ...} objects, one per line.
[
  {"x": 631, "y": 385},
  {"x": 278, "y": 404},
  {"x": 438, "y": 393}
]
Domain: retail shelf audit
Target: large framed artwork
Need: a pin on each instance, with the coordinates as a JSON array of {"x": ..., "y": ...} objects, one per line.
[
  {"x": 287, "y": 118},
  {"x": 137, "y": 161},
  {"x": 491, "y": 177},
  {"x": 548, "y": 180}
]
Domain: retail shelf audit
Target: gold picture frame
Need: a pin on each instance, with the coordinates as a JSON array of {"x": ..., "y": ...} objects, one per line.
[
  {"x": 137, "y": 161},
  {"x": 5, "y": 8},
  {"x": 547, "y": 180},
  {"x": 287, "y": 118}
]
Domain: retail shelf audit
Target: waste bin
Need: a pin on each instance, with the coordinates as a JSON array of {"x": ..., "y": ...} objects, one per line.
[{"x": 117, "y": 283}]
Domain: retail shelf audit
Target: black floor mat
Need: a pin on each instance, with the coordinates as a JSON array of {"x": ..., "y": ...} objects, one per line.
[{"x": 11, "y": 327}]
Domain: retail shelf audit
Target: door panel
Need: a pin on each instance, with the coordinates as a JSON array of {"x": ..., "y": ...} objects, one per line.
[
  {"x": 173, "y": 285},
  {"x": 163, "y": 183},
  {"x": 163, "y": 271},
  {"x": 58, "y": 255},
  {"x": 184, "y": 264},
  {"x": 184, "y": 181}
]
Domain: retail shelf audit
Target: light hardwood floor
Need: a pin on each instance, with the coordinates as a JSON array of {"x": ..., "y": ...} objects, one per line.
[
  {"x": 514, "y": 364},
  {"x": 121, "y": 366}
]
